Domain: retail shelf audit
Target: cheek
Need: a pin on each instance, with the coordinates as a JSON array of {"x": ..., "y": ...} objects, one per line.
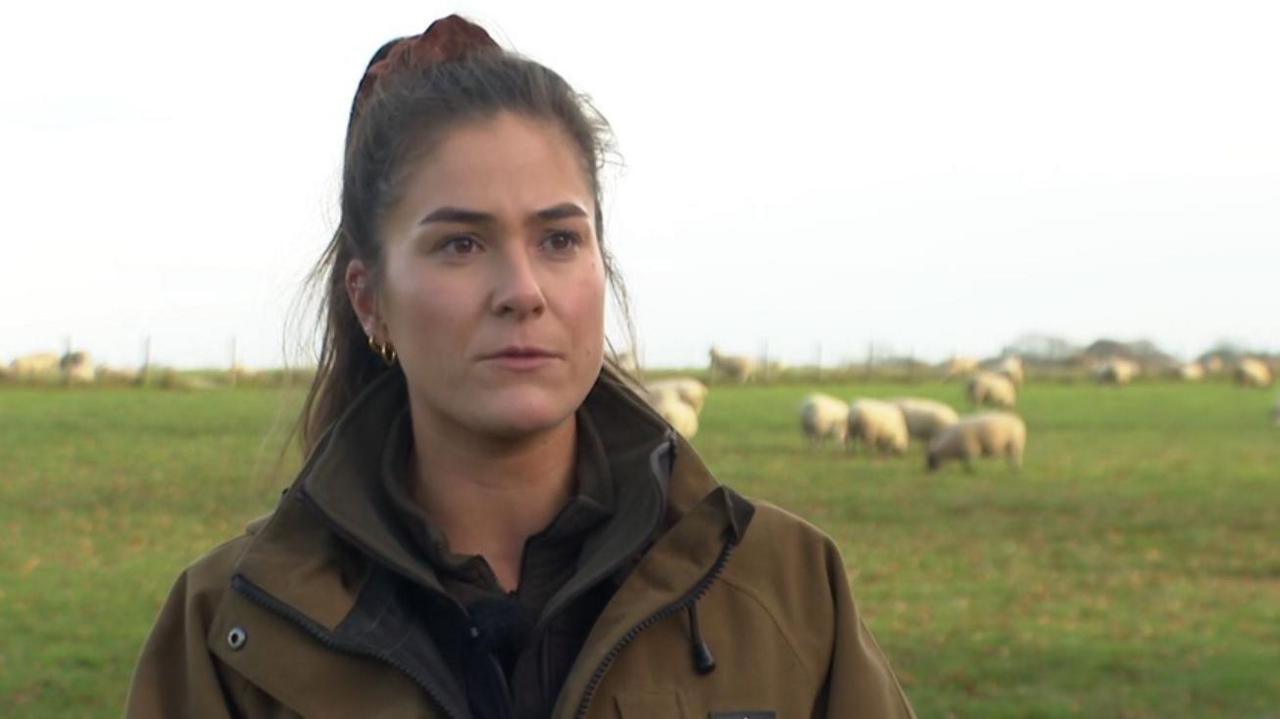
[
  {"x": 588, "y": 302},
  {"x": 589, "y": 323},
  {"x": 418, "y": 305}
]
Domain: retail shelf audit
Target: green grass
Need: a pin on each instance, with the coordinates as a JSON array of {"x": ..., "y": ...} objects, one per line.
[{"x": 1132, "y": 569}]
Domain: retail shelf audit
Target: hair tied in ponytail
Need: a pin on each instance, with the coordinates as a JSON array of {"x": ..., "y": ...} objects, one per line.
[{"x": 445, "y": 40}]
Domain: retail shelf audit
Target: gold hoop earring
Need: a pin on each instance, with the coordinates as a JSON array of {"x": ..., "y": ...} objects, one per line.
[{"x": 384, "y": 350}]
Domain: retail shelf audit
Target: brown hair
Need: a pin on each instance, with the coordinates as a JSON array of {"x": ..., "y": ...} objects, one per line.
[{"x": 404, "y": 106}]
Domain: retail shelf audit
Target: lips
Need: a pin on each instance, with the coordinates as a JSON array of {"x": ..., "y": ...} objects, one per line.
[{"x": 520, "y": 352}]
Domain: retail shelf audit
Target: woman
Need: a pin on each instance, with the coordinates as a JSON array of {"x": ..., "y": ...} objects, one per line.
[{"x": 489, "y": 522}]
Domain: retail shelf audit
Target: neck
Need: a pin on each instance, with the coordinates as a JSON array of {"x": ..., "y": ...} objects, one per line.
[{"x": 489, "y": 495}]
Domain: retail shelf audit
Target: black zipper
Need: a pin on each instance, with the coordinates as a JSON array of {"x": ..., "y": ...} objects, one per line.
[
  {"x": 260, "y": 597},
  {"x": 689, "y": 598}
]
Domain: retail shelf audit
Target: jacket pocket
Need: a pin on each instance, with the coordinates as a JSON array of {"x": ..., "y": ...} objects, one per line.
[{"x": 650, "y": 705}]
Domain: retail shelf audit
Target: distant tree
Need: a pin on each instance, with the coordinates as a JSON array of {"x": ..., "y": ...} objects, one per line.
[
  {"x": 1041, "y": 348},
  {"x": 1143, "y": 351},
  {"x": 1227, "y": 351}
]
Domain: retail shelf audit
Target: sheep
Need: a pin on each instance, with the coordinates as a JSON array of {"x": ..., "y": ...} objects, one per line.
[
  {"x": 990, "y": 434},
  {"x": 1275, "y": 412},
  {"x": 1011, "y": 367},
  {"x": 1250, "y": 372},
  {"x": 1191, "y": 372},
  {"x": 823, "y": 417},
  {"x": 925, "y": 417},
  {"x": 77, "y": 368},
  {"x": 879, "y": 425},
  {"x": 1214, "y": 365},
  {"x": 34, "y": 365},
  {"x": 738, "y": 368},
  {"x": 686, "y": 389},
  {"x": 993, "y": 389},
  {"x": 960, "y": 367},
  {"x": 1117, "y": 371},
  {"x": 679, "y": 415}
]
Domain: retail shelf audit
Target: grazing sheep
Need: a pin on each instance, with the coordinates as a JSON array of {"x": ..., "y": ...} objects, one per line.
[
  {"x": 109, "y": 375},
  {"x": 1252, "y": 372},
  {"x": 1011, "y": 367},
  {"x": 738, "y": 368},
  {"x": 30, "y": 366},
  {"x": 1214, "y": 365},
  {"x": 879, "y": 425},
  {"x": 925, "y": 417},
  {"x": 990, "y": 434},
  {"x": 77, "y": 368},
  {"x": 823, "y": 417},
  {"x": 960, "y": 367},
  {"x": 990, "y": 388},
  {"x": 1117, "y": 371},
  {"x": 1191, "y": 372},
  {"x": 686, "y": 389},
  {"x": 679, "y": 415}
]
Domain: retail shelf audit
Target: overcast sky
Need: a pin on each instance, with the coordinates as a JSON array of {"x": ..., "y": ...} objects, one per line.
[{"x": 934, "y": 177}]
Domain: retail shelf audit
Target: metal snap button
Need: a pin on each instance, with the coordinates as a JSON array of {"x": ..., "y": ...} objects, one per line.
[{"x": 236, "y": 638}]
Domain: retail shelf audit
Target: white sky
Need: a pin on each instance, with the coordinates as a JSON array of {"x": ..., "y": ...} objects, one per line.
[{"x": 936, "y": 177}]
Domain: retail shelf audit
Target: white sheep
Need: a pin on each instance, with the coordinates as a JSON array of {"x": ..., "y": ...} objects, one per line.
[
  {"x": 679, "y": 415},
  {"x": 1191, "y": 372},
  {"x": 879, "y": 425},
  {"x": 686, "y": 389},
  {"x": 34, "y": 365},
  {"x": 990, "y": 434},
  {"x": 1011, "y": 367},
  {"x": 960, "y": 367},
  {"x": 925, "y": 417},
  {"x": 1251, "y": 372},
  {"x": 823, "y": 417},
  {"x": 104, "y": 374},
  {"x": 1118, "y": 371},
  {"x": 738, "y": 368},
  {"x": 77, "y": 368},
  {"x": 1214, "y": 365},
  {"x": 990, "y": 388}
]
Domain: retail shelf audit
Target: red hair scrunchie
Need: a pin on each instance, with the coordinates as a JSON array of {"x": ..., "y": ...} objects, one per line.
[{"x": 445, "y": 40}]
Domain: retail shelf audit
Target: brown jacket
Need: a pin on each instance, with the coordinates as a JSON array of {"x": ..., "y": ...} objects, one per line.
[{"x": 317, "y": 611}]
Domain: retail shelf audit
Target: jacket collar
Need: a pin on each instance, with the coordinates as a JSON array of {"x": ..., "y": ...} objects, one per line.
[
  {"x": 310, "y": 562},
  {"x": 658, "y": 480}
]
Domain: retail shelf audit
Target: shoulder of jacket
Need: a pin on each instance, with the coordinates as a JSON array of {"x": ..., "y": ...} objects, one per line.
[
  {"x": 210, "y": 575},
  {"x": 786, "y": 532},
  {"x": 792, "y": 571}
]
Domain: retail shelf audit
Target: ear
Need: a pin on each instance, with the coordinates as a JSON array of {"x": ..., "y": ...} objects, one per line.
[{"x": 364, "y": 300}]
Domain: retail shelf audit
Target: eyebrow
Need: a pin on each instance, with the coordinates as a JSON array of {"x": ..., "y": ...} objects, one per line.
[{"x": 460, "y": 215}]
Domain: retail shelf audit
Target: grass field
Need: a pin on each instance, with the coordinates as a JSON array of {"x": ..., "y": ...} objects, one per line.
[{"x": 1131, "y": 570}]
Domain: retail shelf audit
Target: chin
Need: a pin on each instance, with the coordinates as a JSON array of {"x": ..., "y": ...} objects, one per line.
[{"x": 516, "y": 413}]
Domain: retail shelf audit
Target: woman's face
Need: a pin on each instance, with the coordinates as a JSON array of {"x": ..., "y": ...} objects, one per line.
[{"x": 492, "y": 290}]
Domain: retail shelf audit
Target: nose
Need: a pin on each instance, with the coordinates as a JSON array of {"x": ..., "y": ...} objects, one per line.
[{"x": 517, "y": 291}]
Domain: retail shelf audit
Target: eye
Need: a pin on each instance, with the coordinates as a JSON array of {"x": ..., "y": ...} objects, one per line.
[
  {"x": 460, "y": 245},
  {"x": 562, "y": 241}
]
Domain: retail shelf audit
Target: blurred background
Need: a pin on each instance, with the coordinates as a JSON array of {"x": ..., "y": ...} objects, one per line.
[{"x": 866, "y": 202}]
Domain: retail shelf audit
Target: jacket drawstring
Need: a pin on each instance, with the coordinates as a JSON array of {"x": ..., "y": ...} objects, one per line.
[{"x": 703, "y": 661}]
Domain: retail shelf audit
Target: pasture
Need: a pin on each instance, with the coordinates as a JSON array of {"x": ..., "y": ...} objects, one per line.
[{"x": 1132, "y": 569}]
